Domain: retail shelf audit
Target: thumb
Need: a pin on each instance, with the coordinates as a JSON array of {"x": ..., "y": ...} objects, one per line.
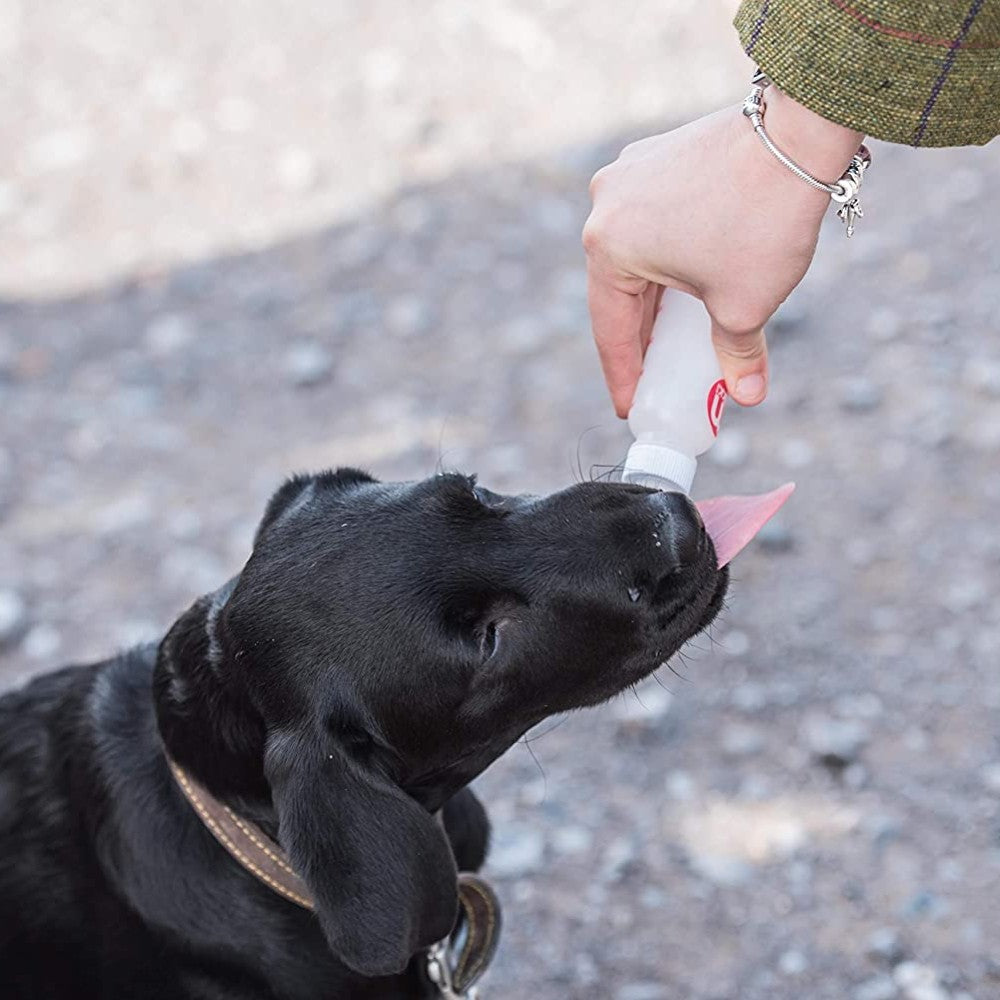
[{"x": 743, "y": 358}]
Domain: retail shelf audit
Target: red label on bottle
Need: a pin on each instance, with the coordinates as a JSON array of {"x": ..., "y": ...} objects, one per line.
[{"x": 716, "y": 401}]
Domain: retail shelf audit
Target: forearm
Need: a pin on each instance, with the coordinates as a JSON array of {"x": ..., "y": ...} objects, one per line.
[{"x": 908, "y": 71}]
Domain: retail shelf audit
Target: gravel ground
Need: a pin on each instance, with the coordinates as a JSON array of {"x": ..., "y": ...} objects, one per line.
[{"x": 808, "y": 805}]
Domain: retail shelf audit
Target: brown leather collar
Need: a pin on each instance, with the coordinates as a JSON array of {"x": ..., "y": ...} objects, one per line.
[
  {"x": 453, "y": 965},
  {"x": 244, "y": 840}
]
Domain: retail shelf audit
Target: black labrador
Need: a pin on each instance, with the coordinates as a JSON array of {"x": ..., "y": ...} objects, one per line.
[{"x": 382, "y": 646}]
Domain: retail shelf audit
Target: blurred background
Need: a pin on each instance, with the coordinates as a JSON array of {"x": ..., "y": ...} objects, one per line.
[{"x": 239, "y": 240}]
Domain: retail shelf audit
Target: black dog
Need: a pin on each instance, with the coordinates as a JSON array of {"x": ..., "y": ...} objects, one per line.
[{"x": 383, "y": 645}]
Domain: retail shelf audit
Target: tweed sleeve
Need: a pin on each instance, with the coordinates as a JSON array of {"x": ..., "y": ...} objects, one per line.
[{"x": 918, "y": 72}]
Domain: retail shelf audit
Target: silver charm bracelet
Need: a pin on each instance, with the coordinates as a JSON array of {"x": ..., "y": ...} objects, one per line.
[{"x": 844, "y": 191}]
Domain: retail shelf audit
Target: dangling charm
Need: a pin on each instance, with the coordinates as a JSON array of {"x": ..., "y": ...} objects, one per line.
[
  {"x": 848, "y": 212},
  {"x": 848, "y": 187}
]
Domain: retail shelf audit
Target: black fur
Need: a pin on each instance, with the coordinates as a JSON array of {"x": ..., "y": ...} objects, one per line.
[{"x": 382, "y": 646}]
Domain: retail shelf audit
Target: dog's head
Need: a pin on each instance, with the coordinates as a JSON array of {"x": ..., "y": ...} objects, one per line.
[{"x": 387, "y": 642}]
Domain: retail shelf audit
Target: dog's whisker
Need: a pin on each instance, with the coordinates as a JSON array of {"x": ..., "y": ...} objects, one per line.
[
  {"x": 541, "y": 770},
  {"x": 552, "y": 728},
  {"x": 609, "y": 471}
]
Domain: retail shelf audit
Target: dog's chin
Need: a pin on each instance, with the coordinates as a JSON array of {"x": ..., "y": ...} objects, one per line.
[{"x": 646, "y": 663}]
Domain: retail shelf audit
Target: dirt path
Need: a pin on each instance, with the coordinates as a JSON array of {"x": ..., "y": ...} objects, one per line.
[{"x": 393, "y": 296}]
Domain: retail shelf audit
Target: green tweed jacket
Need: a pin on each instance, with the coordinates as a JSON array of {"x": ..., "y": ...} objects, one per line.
[{"x": 921, "y": 72}]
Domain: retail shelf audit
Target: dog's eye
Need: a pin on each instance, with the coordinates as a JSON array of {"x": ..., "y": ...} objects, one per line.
[{"x": 491, "y": 640}]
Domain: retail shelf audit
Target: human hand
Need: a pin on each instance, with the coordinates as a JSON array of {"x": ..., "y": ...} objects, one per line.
[{"x": 707, "y": 209}]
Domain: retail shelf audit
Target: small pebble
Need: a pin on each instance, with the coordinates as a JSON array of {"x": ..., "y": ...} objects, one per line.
[
  {"x": 516, "y": 850},
  {"x": 641, "y": 991},
  {"x": 860, "y": 395},
  {"x": 643, "y": 708},
  {"x": 297, "y": 170},
  {"x": 796, "y": 453},
  {"x": 885, "y": 945},
  {"x": 680, "y": 786},
  {"x": 620, "y": 858},
  {"x": 168, "y": 333},
  {"x": 13, "y": 616},
  {"x": 790, "y": 316},
  {"x": 884, "y": 323},
  {"x": 878, "y": 988},
  {"x": 308, "y": 364},
  {"x": 41, "y": 642},
  {"x": 568, "y": 840},
  {"x": 990, "y": 776},
  {"x": 775, "y": 536},
  {"x": 983, "y": 374},
  {"x": 793, "y": 963},
  {"x": 721, "y": 870},
  {"x": 919, "y": 982},
  {"x": 731, "y": 449},
  {"x": 742, "y": 741},
  {"x": 834, "y": 741},
  {"x": 736, "y": 643}
]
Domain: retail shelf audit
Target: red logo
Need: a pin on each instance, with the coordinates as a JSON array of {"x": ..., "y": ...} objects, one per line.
[{"x": 716, "y": 401}]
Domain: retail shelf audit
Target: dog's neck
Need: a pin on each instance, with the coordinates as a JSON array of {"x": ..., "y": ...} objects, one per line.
[{"x": 206, "y": 721}]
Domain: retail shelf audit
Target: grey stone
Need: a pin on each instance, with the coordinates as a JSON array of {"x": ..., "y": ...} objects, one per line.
[
  {"x": 568, "y": 840},
  {"x": 721, "y": 870},
  {"x": 407, "y": 316},
  {"x": 516, "y": 850},
  {"x": 791, "y": 315},
  {"x": 775, "y": 536},
  {"x": 796, "y": 453},
  {"x": 308, "y": 363},
  {"x": 644, "y": 708},
  {"x": 877, "y": 988},
  {"x": 41, "y": 642},
  {"x": 736, "y": 643},
  {"x": 919, "y": 982},
  {"x": 860, "y": 395},
  {"x": 924, "y": 903},
  {"x": 983, "y": 374},
  {"x": 297, "y": 170},
  {"x": 833, "y": 741},
  {"x": 990, "y": 776},
  {"x": 741, "y": 740},
  {"x": 885, "y": 945},
  {"x": 169, "y": 333},
  {"x": 884, "y": 323},
  {"x": 749, "y": 697},
  {"x": 793, "y": 963},
  {"x": 855, "y": 776},
  {"x": 641, "y": 991},
  {"x": 13, "y": 616},
  {"x": 731, "y": 449},
  {"x": 680, "y": 786},
  {"x": 620, "y": 858}
]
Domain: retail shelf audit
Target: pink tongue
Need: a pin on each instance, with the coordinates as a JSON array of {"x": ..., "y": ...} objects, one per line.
[{"x": 731, "y": 522}]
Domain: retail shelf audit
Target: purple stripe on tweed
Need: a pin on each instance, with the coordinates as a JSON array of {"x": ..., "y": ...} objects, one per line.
[
  {"x": 946, "y": 68},
  {"x": 758, "y": 27}
]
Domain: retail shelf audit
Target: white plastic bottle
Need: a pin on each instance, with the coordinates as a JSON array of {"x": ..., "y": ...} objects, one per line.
[{"x": 678, "y": 402}]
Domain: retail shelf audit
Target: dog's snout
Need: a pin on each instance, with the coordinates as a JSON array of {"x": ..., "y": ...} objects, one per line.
[{"x": 677, "y": 528}]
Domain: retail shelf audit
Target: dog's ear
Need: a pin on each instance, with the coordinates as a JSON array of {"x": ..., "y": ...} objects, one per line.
[
  {"x": 379, "y": 866},
  {"x": 296, "y": 494}
]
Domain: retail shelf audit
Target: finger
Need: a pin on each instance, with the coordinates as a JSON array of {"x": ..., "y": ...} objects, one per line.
[
  {"x": 743, "y": 357},
  {"x": 652, "y": 297},
  {"x": 616, "y": 316}
]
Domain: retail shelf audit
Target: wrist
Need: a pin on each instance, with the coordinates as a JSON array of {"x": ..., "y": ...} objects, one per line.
[{"x": 819, "y": 145}]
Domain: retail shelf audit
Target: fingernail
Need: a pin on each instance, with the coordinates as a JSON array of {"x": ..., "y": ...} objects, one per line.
[{"x": 749, "y": 388}]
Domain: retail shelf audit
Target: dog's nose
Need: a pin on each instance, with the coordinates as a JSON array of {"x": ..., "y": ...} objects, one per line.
[{"x": 677, "y": 528}]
